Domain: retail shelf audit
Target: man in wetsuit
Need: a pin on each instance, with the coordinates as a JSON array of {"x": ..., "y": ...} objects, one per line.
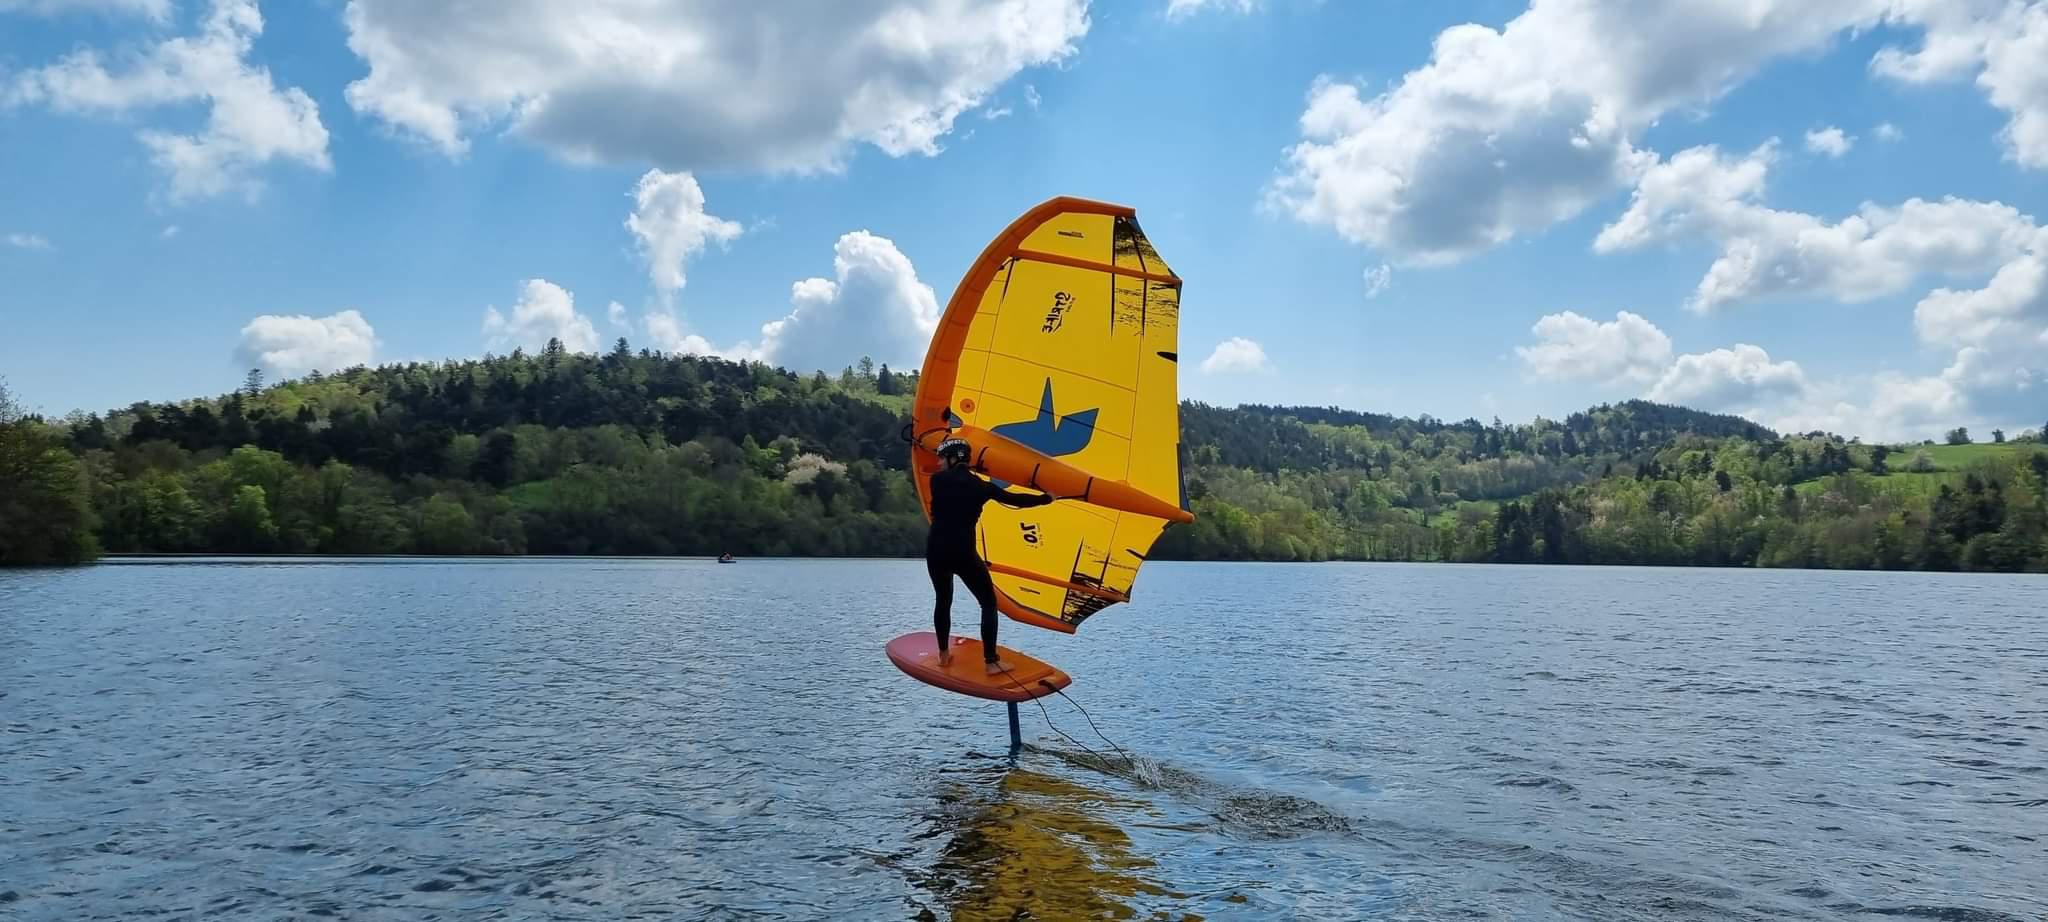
[{"x": 957, "y": 497}]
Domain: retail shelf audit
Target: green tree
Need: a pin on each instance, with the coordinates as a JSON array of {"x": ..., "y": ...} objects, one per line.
[
  {"x": 248, "y": 526},
  {"x": 495, "y": 464},
  {"x": 1960, "y": 435},
  {"x": 46, "y": 515},
  {"x": 445, "y": 527}
]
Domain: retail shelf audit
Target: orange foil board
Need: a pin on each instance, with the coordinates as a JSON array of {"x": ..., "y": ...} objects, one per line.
[{"x": 918, "y": 656}]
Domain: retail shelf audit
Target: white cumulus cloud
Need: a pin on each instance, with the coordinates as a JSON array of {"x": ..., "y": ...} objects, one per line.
[
  {"x": 1977, "y": 390},
  {"x": 249, "y": 122},
  {"x": 616, "y": 313},
  {"x": 1829, "y": 141},
  {"x": 2003, "y": 44},
  {"x": 1767, "y": 253},
  {"x": 1572, "y": 347},
  {"x": 669, "y": 335},
  {"x": 1509, "y": 131},
  {"x": 1996, "y": 335},
  {"x": 873, "y": 306},
  {"x": 296, "y": 343},
  {"x": 1512, "y": 130},
  {"x": 26, "y": 241},
  {"x": 671, "y": 226},
  {"x": 2011, "y": 309},
  {"x": 1746, "y": 381},
  {"x": 1236, "y": 354},
  {"x": 545, "y": 310},
  {"x": 1887, "y": 131},
  {"x": 2000, "y": 336},
  {"x": 1737, "y": 380},
  {"x": 1887, "y": 406},
  {"x": 698, "y": 84}
]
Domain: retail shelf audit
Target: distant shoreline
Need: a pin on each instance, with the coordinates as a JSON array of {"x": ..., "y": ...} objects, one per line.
[
  {"x": 132, "y": 558},
  {"x": 135, "y": 557},
  {"x": 195, "y": 559}
]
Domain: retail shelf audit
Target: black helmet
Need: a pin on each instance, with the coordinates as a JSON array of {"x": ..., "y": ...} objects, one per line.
[{"x": 955, "y": 448}]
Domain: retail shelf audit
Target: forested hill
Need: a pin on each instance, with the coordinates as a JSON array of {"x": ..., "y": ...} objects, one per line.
[
  {"x": 1270, "y": 438},
  {"x": 638, "y": 453}
]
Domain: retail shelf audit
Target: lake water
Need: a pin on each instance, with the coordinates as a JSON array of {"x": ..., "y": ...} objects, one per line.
[{"x": 611, "y": 739}]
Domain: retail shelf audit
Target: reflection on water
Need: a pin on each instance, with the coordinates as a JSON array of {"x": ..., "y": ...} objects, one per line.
[
  {"x": 1043, "y": 842},
  {"x": 1025, "y": 844}
]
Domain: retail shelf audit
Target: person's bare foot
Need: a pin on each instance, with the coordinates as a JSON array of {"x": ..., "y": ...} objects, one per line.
[
  {"x": 945, "y": 658},
  {"x": 997, "y": 667}
]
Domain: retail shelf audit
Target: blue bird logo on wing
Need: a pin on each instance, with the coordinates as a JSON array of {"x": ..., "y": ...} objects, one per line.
[{"x": 1049, "y": 433}]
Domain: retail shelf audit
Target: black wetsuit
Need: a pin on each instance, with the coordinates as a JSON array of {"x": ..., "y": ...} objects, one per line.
[{"x": 957, "y": 497}]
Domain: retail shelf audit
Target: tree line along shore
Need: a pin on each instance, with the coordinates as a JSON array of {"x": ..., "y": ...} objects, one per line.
[{"x": 638, "y": 453}]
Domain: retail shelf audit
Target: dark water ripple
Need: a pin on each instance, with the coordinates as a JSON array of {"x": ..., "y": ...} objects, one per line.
[{"x": 625, "y": 739}]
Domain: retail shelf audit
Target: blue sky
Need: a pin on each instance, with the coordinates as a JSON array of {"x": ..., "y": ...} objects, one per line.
[{"x": 1818, "y": 213}]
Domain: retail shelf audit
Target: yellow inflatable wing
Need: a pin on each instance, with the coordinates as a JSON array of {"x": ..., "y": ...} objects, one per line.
[{"x": 1058, "y": 361}]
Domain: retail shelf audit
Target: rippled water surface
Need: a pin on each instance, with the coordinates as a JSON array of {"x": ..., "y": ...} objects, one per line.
[{"x": 615, "y": 739}]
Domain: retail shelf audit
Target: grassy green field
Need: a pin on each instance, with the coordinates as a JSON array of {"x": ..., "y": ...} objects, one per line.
[
  {"x": 1951, "y": 463},
  {"x": 1957, "y": 457},
  {"x": 899, "y": 403}
]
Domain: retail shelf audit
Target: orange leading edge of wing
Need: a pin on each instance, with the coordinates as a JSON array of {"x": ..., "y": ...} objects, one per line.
[{"x": 1005, "y": 459}]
